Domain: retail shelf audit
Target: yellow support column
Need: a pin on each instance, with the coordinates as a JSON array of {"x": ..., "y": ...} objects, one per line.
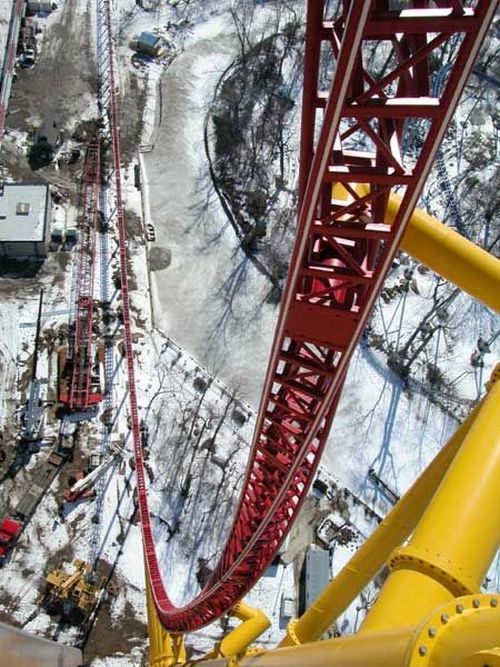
[
  {"x": 443, "y": 250},
  {"x": 165, "y": 650},
  {"x": 380, "y": 649},
  {"x": 237, "y": 642},
  {"x": 457, "y": 537},
  {"x": 451, "y": 255},
  {"x": 374, "y": 552}
]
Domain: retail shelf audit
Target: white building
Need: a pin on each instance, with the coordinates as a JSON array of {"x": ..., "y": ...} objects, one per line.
[{"x": 24, "y": 220}]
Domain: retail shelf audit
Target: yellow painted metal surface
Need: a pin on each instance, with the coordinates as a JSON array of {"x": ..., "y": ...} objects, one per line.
[
  {"x": 255, "y": 622},
  {"x": 490, "y": 658},
  {"x": 458, "y": 535},
  {"x": 443, "y": 250},
  {"x": 456, "y": 633},
  {"x": 453, "y": 635},
  {"x": 381, "y": 649},
  {"x": 165, "y": 650},
  {"x": 374, "y": 552},
  {"x": 236, "y": 642},
  {"x": 451, "y": 255}
]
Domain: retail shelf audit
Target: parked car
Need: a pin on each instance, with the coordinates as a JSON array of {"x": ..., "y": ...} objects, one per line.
[
  {"x": 28, "y": 59},
  {"x": 150, "y": 232}
]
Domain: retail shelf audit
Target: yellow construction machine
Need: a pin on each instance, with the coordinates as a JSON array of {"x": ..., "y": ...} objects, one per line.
[{"x": 74, "y": 592}]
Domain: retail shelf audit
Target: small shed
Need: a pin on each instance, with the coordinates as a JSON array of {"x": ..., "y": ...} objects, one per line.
[
  {"x": 148, "y": 43},
  {"x": 24, "y": 220}
]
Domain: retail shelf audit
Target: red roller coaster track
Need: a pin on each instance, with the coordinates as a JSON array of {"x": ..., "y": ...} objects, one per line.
[{"x": 340, "y": 258}]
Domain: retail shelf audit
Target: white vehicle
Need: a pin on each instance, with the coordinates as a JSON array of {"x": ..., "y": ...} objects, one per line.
[
  {"x": 28, "y": 59},
  {"x": 287, "y": 606}
]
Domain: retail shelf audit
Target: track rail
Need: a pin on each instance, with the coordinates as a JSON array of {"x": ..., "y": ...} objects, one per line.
[{"x": 341, "y": 256}]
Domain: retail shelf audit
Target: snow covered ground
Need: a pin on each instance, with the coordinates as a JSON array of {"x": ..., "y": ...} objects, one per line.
[
  {"x": 380, "y": 423},
  {"x": 190, "y": 295}
]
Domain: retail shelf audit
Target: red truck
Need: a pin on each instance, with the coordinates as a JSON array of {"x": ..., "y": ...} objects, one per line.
[{"x": 9, "y": 531}]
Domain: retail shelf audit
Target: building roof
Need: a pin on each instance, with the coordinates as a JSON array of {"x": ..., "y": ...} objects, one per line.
[
  {"x": 149, "y": 39},
  {"x": 317, "y": 573},
  {"x": 23, "y": 209}
]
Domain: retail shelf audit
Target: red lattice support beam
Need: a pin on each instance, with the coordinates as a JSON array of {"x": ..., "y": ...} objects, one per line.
[{"x": 80, "y": 395}]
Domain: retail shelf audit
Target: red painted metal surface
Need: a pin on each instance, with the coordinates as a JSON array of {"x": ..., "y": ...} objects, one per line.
[
  {"x": 341, "y": 255},
  {"x": 84, "y": 390},
  {"x": 9, "y": 60},
  {"x": 9, "y": 531}
]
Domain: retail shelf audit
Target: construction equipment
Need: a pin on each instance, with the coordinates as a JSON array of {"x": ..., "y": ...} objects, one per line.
[
  {"x": 72, "y": 593},
  {"x": 82, "y": 488},
  {"x": 6, "y": 74},
  {"x": 79, "y": 376},
  {"x": 9, "y": 532},
  {"x": 33, "y": 414}
]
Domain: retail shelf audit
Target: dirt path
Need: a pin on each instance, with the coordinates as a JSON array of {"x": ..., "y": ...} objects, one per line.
[
  {"x": 50, "y": 97},
  {"x": 210, "y": 298}
]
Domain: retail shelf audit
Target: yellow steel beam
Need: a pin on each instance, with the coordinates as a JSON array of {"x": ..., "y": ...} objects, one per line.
[
  {"x": 458, "y": 634},
  {"x": 458, "y": 535},
  {"x": 451, "y": 255},
  {"x": 374, "y": 552},
  {"x": 387, "y": 649},
  {"x": 443, "y": 250},
  {"x": 165, "y": 650},
  {"x": 463, "y": 633},
  {"x": 491, "y": 658},
  {"x": 236, "y": 642}
]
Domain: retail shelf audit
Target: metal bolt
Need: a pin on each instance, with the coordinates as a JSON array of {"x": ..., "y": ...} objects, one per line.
[
  {"x": 476, "y": 603},
  {"x": 422, "y": 650},
  {"x": 494, "y": 602},
  {"x": 444, "y": 618},
  {"x": 431, "y": 632},
  {"x": 459, "y": 608}
]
